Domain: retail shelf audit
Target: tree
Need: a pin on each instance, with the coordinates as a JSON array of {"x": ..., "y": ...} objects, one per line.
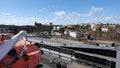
[
  {"x": 87, "y": 26},
  {"x": 98, "y": 29},
  {"x": 77, "y": 27},
  {"x": 61, "y": 30}
]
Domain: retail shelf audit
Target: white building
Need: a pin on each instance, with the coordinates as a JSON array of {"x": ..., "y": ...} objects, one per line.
[
  {"x": 104, "y": 29},
  {"x": 75, "y": 34},
  {"x": 67, "y": 32},
  {"x": 118, "y": 31},
  {"x": 94, "y": 27},
  {"x": 55, "y": 32},
  {"x": 57, "y": 27}
]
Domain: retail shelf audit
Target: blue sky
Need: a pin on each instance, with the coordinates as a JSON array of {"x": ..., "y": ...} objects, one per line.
[{"x": 25, "y": 12}]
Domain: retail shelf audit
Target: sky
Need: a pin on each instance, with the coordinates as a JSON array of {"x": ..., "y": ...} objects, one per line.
[{"x": 61, "y": 12}]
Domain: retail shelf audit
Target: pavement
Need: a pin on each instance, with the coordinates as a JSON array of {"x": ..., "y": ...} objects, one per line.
[
  {"x": 74, "y": 43},
  {"x": 47, "y": 64},
  {"x": 76, "y": 65}
]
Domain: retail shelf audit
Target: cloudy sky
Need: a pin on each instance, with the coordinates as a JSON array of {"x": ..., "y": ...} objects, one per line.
[{"x": 26, "y": 12}]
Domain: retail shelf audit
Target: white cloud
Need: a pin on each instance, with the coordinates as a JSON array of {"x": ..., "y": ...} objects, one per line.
[
  {"x": 95, "y": 9},
  {"x": 108, "y": 18},
  {"x": 63, "y": 17},
  {"x": 4, "y": 14},
  {"x": 17, "y": 21},
  {"x": 87, "y": 14},
  {"x": 69, "y": 17},
  {"x": 104, "y": 19},
  {"x": 42, "y": 10},
  {"x": 74, "y": 14},
  {"x": 59, "y": 13},
  {"x": 9, "y": 19},
  {"x": 59, "y": 17}
]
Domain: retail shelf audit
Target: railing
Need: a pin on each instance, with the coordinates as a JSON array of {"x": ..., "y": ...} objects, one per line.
[
  {"x": 104, "y": 52},
  {"x": 84, "y": 57}
]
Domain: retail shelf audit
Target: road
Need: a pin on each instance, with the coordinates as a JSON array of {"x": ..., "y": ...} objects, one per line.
[{"x": 58, "y": 41}]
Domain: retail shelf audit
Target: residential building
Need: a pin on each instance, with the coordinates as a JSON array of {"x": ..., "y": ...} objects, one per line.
[
  {"x": 55, "y": 32},
  {"x": 67, "y": 32},
  {"x": 37, "y": 24},
  {"x": 57, "y": 27},
  {"x": 104, "y": 29},
  {"x": 75, "y": 34},
  {"x": 94, "y": 27}
]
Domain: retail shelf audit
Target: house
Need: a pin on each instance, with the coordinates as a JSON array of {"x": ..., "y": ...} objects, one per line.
[
  {"x": 94, "y": 27},
  {"x": 75, "y": 34},
  {"x": 68, "y": 26},
  {"x": 37, "y": 24},
  {"x": 104, "y": 29},
  {"x": 67, "y": 32},
  {"x": 112, "y": 25},
  {"x": 118, "y": 31},
  {"x": 57, "y": 27},
  {"x": 55, "y": 32}
]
